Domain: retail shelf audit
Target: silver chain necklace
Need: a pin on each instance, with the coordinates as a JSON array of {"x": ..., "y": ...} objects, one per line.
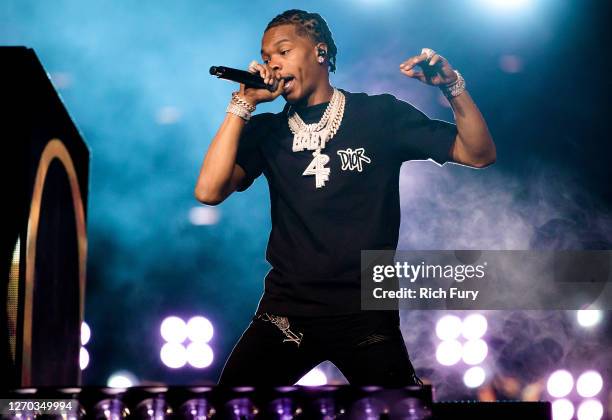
[{"x": 315, "y": 136}]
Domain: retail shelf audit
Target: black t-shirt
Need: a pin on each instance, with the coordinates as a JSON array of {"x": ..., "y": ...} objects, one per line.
[{"x": 318, "y": 233}]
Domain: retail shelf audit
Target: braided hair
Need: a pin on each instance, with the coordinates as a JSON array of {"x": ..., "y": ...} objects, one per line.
[{"x": 311, "y": 25}]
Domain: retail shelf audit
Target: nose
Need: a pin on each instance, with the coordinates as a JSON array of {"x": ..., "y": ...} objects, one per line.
[{"x": 274, "y": 66}]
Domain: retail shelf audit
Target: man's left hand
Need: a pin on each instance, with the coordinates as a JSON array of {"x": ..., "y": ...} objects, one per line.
[{"x": 435, "y": 71}]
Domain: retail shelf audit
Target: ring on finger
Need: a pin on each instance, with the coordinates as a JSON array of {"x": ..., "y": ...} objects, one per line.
[
  {"x": 428, "y": 53},
  {"x": 253, "y": 65}
]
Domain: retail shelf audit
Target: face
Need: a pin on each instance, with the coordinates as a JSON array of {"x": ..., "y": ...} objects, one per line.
[{"x": 294, "y": 58}]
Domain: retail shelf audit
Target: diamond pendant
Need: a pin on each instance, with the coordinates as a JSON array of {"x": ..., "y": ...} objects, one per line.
[
  {"x": 318, "y": 169},
  {"x": 310, "y": 140}
]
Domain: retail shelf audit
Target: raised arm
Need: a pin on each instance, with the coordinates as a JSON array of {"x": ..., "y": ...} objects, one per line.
[
  {"x": 220, "y": 175},
  {"x": 473, "y": 145}
]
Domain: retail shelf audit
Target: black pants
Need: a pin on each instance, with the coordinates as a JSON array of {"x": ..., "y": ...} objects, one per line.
[{"x": 367, "y": 347}]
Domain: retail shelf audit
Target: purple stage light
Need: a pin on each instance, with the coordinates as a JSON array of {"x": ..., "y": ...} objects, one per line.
[
  {"x": 560, "y": 383},
  {"x": 155, "y": 408},
  {"x": 199, "y": 329},
  {"x": 111, "y": 409},
  {"x": 590, "y": 410},
  {"x": 240, "y": 409},
  {"x": 562, "y": 409},
  {"x": 85, "y": 333},
  {"x": 122, "y": 380},
  {"x": 474, "y": 351},
  {"x": 315, "y": 377},
  {"x": 368, "y": 409},
  {"x": 448, "y": 327},
  {"x": 173, "y": 355},
  {"x": 196, "y": 409},
  {"x": 589, "y": 384},
  {"x": 283, "y": 409},
  {"x": 474, "y": 377},
  {"x": 173, "y": 329},
  {"x": 199, "y": 355},
  {"x": 83, "y": 358},
  {"x": 588, "y": 318},
  {"x": 474, "y": 326},
  {"x": 449, "y": 352}
]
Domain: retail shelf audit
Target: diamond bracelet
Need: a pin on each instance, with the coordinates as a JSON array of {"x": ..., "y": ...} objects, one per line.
[
  {"x": 240, "y": 107},
  {"x": 454, "y": 89},
  {"x": 238, "y": 110},
  {"x": 240, "y": 101}
]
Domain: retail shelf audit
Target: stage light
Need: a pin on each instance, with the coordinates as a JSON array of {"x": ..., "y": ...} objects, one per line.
[
  {"x": 83, "y": 353},
  {"x": 510, "y": 63},
  {"x": 173, "y": 329},
  {"x": 199, "y": 355},
  {"x": 474, "y": 326},
  {"x": 168, "y": 115},
  {"x": 474, "y": 351},
  {"x": 85, "y": 333},
  {"x": 589, "y": 384},
  {"x": 449, "y": 352},
  {"x": 474, "y": 377},
  {"x": 122, "y": 379},
  {"x": 173, "y": 355},
  {"x": 590, "y": 410},
  {"x": 315, "y": 377},
  {"x": 199, "y": 329},
  {"x": 203, "y": 215},
  {"x": 560, "y": 383},
  {"x": 448, "y": 327},
  {"x": 562, "y": 409},
  {"x": 588, "y": 317},
  {"x": 83, "y": 358}
]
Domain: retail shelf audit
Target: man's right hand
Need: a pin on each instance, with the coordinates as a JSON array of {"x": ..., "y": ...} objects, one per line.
[{"x": 256, "y": 96}]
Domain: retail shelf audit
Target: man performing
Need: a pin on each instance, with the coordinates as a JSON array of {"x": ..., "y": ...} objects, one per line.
[{"x": 332, "y": 160}]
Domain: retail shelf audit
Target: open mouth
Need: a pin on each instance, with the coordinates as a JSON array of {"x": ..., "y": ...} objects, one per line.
[{"x": 289, "y": 81}]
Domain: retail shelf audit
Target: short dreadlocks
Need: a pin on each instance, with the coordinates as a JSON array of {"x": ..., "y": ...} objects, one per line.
[{"x": 312, "y": 25}]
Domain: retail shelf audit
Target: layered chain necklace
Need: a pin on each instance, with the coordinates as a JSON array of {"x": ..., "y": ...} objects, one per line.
[{"x": 315, "y": 136}]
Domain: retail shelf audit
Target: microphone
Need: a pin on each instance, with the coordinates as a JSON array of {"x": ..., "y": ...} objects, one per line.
[{"x": 242, "y": 76}]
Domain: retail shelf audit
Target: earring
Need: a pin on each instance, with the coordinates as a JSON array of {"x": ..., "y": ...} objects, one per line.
[{"x": 321, "y": 55}]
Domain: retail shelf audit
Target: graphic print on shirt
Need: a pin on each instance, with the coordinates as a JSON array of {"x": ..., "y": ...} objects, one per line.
[
  {"x": 318, "y": 169},
  {"x": 353, "y": 159}
]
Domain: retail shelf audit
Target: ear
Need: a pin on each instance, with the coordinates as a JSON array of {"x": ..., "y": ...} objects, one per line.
[{"x": 321, "y": 46}]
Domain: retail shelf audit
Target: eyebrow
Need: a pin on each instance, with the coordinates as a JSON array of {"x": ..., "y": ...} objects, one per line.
[{"x": 276, "y": 43}]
